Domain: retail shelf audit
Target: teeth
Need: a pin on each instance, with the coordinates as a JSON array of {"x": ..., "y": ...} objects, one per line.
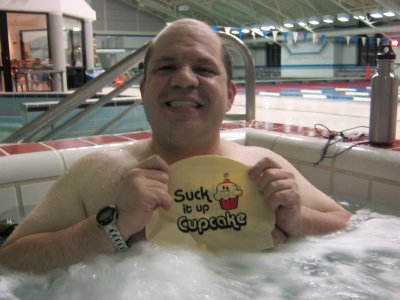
[{"x": 183, "y": 104}]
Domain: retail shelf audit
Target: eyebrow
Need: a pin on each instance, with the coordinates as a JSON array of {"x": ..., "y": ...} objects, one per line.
[
  {"x": 169, "y": 59},
  {"x": 165, "y": 59}
]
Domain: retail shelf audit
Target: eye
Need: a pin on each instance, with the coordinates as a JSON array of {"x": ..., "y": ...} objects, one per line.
[
  {"x": 208, "y": 71},
  {"x": 165, "y": 68}
]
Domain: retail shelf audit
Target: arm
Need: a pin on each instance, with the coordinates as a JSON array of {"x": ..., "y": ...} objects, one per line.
[
  {"x": 62, "y": 229},
  {"x": 300, "y": 208},
  {"x": 43, "y": 251}
]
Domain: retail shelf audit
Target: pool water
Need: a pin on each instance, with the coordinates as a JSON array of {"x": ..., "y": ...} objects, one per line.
[
  {"x": 134, "y": 120},
  {"x": 19, "y": 109},
  {"x": 361, "y": 262}
]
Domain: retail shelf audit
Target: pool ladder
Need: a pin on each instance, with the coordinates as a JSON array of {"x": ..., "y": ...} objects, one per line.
[{"x": 47, "y": 121}]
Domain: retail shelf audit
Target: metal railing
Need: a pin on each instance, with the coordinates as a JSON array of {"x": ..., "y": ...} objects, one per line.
[
  {"x": 250, "y": 78},
  {"x": 48, "y": 119},
  {"x": 91, "y": 108}
]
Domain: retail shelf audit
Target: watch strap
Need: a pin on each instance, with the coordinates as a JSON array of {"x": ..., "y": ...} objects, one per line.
[
  {"x": 116, "y": 237},
  {"x": 106, "y": 219}
]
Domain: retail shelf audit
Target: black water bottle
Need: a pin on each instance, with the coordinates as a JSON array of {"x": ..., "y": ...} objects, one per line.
[{"x": 384, "y": 94}]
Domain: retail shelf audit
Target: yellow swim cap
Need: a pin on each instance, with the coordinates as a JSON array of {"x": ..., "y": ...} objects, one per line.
[{"x": 215, "y": 205}]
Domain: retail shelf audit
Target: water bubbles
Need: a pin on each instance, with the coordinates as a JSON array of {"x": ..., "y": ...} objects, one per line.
[{"x": 360, "y": 263}]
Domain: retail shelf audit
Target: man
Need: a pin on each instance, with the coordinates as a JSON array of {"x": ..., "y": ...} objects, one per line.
[{"x": 186, "y": 91}]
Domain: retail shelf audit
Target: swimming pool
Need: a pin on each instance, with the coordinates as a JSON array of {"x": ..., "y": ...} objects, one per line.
[
  {"x": 347, "y": 100},
  {"x": 21, "y": 108},
  {"x": 362, "y": 262}
]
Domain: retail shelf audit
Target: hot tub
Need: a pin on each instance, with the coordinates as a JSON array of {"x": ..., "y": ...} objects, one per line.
[{"x": 361, "y": 262}]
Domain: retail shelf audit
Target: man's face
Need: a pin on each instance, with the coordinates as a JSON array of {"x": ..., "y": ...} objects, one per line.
[{"x": 185, "y": 90}]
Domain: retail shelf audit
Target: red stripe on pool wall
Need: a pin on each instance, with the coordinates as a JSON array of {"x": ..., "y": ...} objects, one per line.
[
  {"x": 137, "y": 135},
  {"x": 24, "y": 148},
  {"x": 395, "y": 146},
  {"x": 67, "y": 143},
  {"x": 117, "y": 138},
  {"x": 104, "y": 139}
]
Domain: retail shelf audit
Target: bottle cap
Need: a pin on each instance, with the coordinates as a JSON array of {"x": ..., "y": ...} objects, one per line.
[{"x": 386, "y": 52}]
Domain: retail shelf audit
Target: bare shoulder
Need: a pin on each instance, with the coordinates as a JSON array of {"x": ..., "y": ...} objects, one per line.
[
  {"x": 104, "y": 163},
  {"x": 250, "y": 155},
  {"x": 124, "y": 155},
  {"x": 100, "y": 171}
]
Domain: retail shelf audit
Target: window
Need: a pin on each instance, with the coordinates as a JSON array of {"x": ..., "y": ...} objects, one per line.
[{"x": 73, "y": 42}]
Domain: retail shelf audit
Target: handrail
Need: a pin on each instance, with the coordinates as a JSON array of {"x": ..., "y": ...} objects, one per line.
[
  {"x": 91, "y": 108},
  {"x": 50, "y": 117},
  {"x": 250, "y": 77},
  {"x": 114, "y": 120},
  {"x": 77, "y": 98}
]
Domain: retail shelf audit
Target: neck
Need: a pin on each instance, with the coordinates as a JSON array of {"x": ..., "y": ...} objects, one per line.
[{"x": 173, "y": 150}]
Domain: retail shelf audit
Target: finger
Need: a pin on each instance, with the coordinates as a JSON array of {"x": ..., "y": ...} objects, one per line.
[
  {"x": 269, "y": 176},
  {"x": 156, "y": 197},
  {"x": 261, "y": 166},
  {"x": 275, "y": 186},
  {"x": 155, "y": 176},
  {"x": 154, "y": 162},
  {"x": 163, "y": 199},
  {"x": 144, "y": 170},
  {"x": 283, "y": 198},
  {"x": 279, "y": 237}
]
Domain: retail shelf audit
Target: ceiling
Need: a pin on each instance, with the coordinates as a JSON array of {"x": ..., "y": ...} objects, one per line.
[{"x": 256, "y": 13}]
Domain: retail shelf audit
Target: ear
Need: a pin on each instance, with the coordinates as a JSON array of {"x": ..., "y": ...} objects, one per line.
[
  {"x": 141, "y": 88},
  {"x": 232, "y": 89}
]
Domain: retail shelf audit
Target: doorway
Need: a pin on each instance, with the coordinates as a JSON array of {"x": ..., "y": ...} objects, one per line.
[
  {"x": 5, "y": 62},
  {"x": 24, "y": 45}
]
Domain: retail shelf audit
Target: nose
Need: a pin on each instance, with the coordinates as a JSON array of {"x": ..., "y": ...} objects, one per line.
[{"x": 184, "y": 77}]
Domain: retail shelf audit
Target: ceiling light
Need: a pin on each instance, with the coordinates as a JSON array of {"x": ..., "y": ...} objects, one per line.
[
  {"x": 343, "y": 17},
  {"x": 257, "y": 30},
  {"x": 245, "y": 30},
  {"x": 376, "y": 13},
  {"x": 358, "y": 15},
  {"x": 328, "y": 19},
  {"x": 301, "y": 22},
  {"x": 267, "y": 27},
  {"x": 313, "y": 21},
  {"x": 389, "y": 13},
  {"x": 288, "y": 23}
]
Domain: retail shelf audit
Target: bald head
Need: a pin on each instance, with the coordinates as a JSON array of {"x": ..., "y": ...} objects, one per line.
[
  {"x": 187, "y": 27},
  {"x": 193, "y": 29}
]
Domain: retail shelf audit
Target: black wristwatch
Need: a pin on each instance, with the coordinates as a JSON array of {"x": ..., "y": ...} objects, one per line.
[{"x": 107, "y": 220}]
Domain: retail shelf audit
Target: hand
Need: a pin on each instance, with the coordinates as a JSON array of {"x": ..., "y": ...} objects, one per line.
[
  {"x": 143, "y": 189},
  {"x": 281, "y": 193}
]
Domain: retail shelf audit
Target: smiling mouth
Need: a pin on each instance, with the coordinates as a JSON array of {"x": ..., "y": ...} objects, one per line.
[{"x": 183, "y": 104}]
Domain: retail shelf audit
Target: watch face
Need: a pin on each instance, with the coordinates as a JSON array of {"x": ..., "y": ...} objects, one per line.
[{"x": 106, "y": 215}]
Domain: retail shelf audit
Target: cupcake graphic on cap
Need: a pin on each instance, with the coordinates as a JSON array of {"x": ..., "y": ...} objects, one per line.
[{"x": 227, "y": 194}]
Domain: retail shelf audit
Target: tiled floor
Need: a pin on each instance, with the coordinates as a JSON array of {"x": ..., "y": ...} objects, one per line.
[{"x": 335, "y": 114}]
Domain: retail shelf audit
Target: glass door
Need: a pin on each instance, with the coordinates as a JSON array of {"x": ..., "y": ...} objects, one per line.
[
  {"x": 29, "y": 51},
  {"x": 5, "y": 62},
  {"x": 2, "y": 88},
  {"x": 74, "y": 52},
  {"x": 24, "y": 46}
]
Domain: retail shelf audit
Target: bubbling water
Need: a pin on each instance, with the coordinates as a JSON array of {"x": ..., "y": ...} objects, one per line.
[{"x": 362, "y": 262}]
